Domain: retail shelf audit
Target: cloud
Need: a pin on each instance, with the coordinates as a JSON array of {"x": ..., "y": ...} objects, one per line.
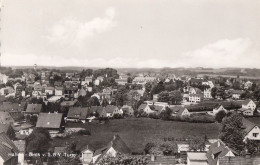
[
  {"x": 71, "y": 30},
  {"x": 238, "y": 52}
]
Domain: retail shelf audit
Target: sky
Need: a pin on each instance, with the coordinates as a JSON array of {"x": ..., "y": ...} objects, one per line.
[{"x": 131, "y": 33}]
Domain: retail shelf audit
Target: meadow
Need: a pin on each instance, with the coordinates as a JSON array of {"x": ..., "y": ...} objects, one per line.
[{"x": 136, "y": 132}]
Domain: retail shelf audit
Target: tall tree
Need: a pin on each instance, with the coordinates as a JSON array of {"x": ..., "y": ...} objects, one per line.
[{"x": 232, "y": 133}]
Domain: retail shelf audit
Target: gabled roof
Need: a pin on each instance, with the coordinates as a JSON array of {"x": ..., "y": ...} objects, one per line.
[
  {"x": 7, "y": 147},
  {"x": 69, "y": 103},
  {"x": 200, "y": 156},
  {"x": 49, "y": 120},
  {"x": 178, "y": 110},
  {"x": 245, "y": 102},
  {"x": 78, "y": 112},
  {"x": 248, "y": 125},
  {"x": 34, "y": 108},
  {"x": 156, "y": 108},
  {"x": 5, "y": 127},
  {"x": 217, "y": 106},
  {"x": 6, "y": 118},
  {"x": 142, "y": 107},
  {"x": 217, "y": 149},
  {"x": 117, "y": 143},
  {"x": 9, "y": 106},
  {"x": 110, "y": 108}
]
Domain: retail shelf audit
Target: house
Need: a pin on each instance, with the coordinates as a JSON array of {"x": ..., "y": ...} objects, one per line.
[
  {"x": 155, "y": 97},
  {"x": 33, "y": 109},
  {"x": 217, "y": 151},
  {"x": 127, "y": 110},
  {"x": 70, "y": 103},
  {"x": 248, "y": 108},
  {"x": 252, "y": 130},
  {"x": 195, "y": 98},
  {"x": 157, "y": 108},
  {"x": 207, "y": 93},
  {"x": 111, "y": 110},
  {"x": 88, "y": 80},
  {"x": 248, "y": 85},
  {"x": 197, "y": 158},
  {"x": 53, "y": 122},
  {"x": 240, "y": 160},
  {"x": 98, "y": 80},
  {"x": 248, "y": 104},
  {"x": 8, "y": 151},
  {"x": 97, "y": 111},
  {"x": 59, "y": 91},
  {"x": 161, "y": 160},
  {"x": 8, "y": 130},
  {"x": 77, "y": 114},
  {"x": 20, "y": 144},
  {"x": 117, "y": 145},
  {"x": 145, "y": 108},
  {"x": 218, "y": 108},
  {"x": 23, "y": 130},
  {"x": 86, "y": 156},
  {"x": 6, "y": 118},
  {"x": 143, "y": 80},
  {"x": 236, "y": 94},
  {"x": 195, "y": 95},
  {"x": 49, "y": 91},
  {"x": 38, "y": 91},
  {"x": 180, "y": 111},
  {"x": 122, "y": 81}
]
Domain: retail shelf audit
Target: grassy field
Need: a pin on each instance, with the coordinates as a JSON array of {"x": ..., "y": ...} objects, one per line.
[{"x": 136, "y": 132}]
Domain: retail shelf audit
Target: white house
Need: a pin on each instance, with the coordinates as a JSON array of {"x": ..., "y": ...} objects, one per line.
[
  {"x": 86, "y": 155},
  {"x": 249, "y": 104},
  {"x": 251, "y": 129},
  {"x": 207, "y": 93},
  {"x": 218, "y": 108},
  {"x": 197, "y": 158},
  {"x": 195, "y": 98}
]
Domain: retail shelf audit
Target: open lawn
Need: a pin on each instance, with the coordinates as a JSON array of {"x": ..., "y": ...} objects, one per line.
[
  {"x": 136, "y": 132},
  {"x": 255, "y": 120}
]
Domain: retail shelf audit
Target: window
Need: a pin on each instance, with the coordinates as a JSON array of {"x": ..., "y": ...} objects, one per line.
[{"x": 255, "y": 134}]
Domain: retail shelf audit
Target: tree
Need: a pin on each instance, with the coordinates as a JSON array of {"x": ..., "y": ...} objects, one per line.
[
  {"x": 104, "y": 102},
  {"x": 197, "y": 144},
  {"x": 121, "y": 96},
  {"x": 231, "y": 132},
  {"x": 38, "y": 141},
  {"x": 93, "y": 101},
  {"x": 219, "y": 116},
  {"x": 175, "y": 97},
  {"x": 163, "y": 96},
  {"x": 251, "y": 147}
]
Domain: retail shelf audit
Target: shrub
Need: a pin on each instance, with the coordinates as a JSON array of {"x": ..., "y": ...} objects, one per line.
[{"x": 84, "y": 132}]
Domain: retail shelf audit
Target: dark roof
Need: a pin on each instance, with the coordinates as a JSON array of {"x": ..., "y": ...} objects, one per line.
[
  {"x": 49, "y": 120},
  {"x": 156, "y": 108},
  {"x": 20, "y": 144},
  {"x": 245, "y": 102},
  {"x": 5, "y": 127},
  {"x": 142, "y": 107},
  {"x": 78, "y": 112},
  {"x": 34, "y": 108},
  {"x": 110, "y": 108},
  {"x": 94, "y": 109},
  {"x": 69, "y": 103},
  {"x": 178, "y": 110},
  {"x": 7, "y": 147},
  {"x": 6, "y": 118},
  {"x": 248, "y": 125},
  {"x": 9, "y": 106},
  {"x": 162, "y": 160},
  {"x": 219, "y": 149},
  {"x": 239, "y": 160},
  {"x": 117, "y": 143}
]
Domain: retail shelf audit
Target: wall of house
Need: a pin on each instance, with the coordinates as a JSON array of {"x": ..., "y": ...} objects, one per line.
[
  {"x": 248, "y": 112},
  {"x": 250, "y": 105},
  {"x": 196, "y": 162},
  {"x": 86, "y": 156},
  {"x": 185, "y": 113},
  {"x": 250, "y": 135}
]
